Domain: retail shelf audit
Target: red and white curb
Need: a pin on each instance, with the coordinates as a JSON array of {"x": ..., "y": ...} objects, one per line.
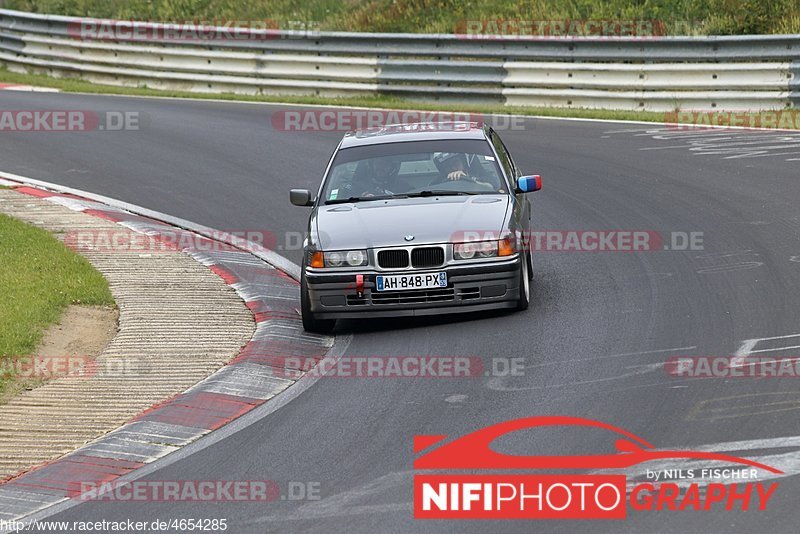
[
  {"x": 27, "y": 88},
  {"x": 255, "y": 376}
]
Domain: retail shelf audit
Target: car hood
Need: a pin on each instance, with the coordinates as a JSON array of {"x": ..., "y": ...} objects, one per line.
[{"x": 383, "y": 223}]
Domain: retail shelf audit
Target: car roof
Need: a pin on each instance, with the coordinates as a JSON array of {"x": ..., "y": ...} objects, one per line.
[{"x": 416, "y": 131}]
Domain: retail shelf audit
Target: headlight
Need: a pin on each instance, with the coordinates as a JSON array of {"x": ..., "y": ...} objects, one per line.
[
  {"x": 346, "y": 258},
  {"x": 475, "y": 249},
  {"x": 356, "y": 258},
  {"x": 334, "y": 259},
  {"x": 482, "y": 249}
]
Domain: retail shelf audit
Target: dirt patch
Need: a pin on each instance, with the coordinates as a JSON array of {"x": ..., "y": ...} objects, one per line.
[{"x": 82, "y": 331}]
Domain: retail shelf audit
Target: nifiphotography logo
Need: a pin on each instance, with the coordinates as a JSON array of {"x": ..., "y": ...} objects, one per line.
[{"x": 449, "y": 494}]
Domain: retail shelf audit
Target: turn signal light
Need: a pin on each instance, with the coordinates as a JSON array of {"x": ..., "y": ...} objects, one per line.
[
  {"x": 317, "y": 259},
  {"x": 506, "y": 247}
]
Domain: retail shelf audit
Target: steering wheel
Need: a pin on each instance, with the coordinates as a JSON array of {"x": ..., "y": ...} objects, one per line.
[{"x": 444, "y": 180}]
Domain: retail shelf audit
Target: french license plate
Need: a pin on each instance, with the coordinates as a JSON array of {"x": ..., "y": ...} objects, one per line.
[{"x": 401, "y": 282}]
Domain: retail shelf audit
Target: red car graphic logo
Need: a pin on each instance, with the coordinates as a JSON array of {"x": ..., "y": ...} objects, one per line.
[{"x": 473, "y": 450}]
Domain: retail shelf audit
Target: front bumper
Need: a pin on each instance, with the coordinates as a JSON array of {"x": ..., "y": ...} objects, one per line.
[{"x": 470, "y": 288}]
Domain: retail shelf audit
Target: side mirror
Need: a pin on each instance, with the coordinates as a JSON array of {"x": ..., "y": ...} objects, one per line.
[
  {"x": 301, "y": 197},
  {"x": 529, "y": 184}
]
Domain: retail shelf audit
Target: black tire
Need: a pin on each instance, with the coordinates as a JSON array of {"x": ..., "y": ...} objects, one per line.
[
  {"x": 530, "y": 266},
  {"x": 311, "y": 323},
  {"x": 524, "y": 285}
]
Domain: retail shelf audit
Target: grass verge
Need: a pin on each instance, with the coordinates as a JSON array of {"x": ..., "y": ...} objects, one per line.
[
  {"x": 39, "y": 278},
  {"x": 69, "y": 85},
  {"x": 555, "y": 17}
]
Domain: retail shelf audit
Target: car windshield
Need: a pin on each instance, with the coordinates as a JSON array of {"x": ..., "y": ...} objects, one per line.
[{"x": 419, "y": 168}]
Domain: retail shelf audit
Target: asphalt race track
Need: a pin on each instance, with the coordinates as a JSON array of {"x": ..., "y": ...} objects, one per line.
[{"x": 593, "y": 341}]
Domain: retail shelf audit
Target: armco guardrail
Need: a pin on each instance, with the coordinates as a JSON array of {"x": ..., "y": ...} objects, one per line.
[{"x": 654, "y": 74}]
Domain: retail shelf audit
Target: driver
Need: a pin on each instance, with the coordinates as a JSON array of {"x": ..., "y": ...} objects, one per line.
[{"x": 454, "y": 167}]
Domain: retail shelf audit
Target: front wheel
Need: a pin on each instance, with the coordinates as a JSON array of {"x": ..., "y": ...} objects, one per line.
[
  {"x": 524, "y": 284},
  {"x": 311, "y": 323}
]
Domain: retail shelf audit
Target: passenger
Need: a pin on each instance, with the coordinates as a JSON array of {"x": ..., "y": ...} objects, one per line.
[{"x": 381, "y": 175}]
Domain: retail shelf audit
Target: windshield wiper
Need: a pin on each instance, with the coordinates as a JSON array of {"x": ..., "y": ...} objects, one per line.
[
  {"x": 426, "y": 193},
  {"x": 356, "y": 199},
  {"x": 440, "y": 192}
]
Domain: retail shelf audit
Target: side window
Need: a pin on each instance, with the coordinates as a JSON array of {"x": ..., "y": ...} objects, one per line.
[
  {"x": 517, "y": 172},
  {"x": 505, "y": 159}
]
